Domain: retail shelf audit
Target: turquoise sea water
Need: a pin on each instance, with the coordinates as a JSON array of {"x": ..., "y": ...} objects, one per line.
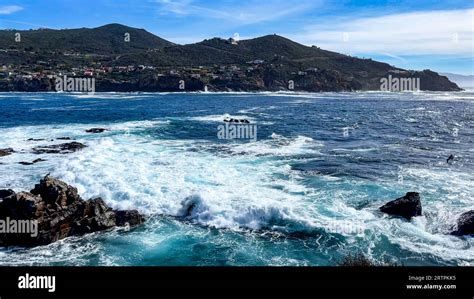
[{"x": 305, "y": 193}]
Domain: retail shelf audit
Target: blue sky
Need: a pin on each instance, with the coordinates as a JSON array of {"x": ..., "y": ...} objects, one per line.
[{"x": 416, "y": 34}]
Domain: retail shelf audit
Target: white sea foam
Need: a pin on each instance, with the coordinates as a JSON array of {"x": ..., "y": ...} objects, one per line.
[
  {"x": 151, "y": 177},
  {"x": 242, "y": 189},
  {"x": 120, "y": 96},
  {"x": 279, "y": 146}
]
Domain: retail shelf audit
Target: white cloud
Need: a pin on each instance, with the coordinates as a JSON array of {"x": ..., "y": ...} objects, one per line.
[
  {"x": 180, "y": 7},
  {"x": 448, "y": 32},
  {"x": 251, "y": 12},
  {"x": 9, "y": 9}
]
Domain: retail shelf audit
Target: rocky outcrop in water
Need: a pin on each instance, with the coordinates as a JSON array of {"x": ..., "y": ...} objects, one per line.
[
  {"x": 465, "y": 224},
  {"x": 6, "y": 151},
  {"x": 407, "y": 206},
  {"x": 64, "y": 148},
  {"x": 32, "y": 162},
  {"x": 57, "y": 211},
  {"x": 96, "y": 130},
  {"x": 43, "y": 139},
  {"x": 236, "y": 120}
]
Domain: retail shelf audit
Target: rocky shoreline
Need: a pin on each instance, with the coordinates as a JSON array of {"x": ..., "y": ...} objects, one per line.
[
  {"x": 56, "y": 211},
  {"x": 59, "y": 212},
  {"x": 269, "y": 81}
]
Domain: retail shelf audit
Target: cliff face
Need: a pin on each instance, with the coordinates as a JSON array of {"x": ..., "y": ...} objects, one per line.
[
  {"x": 24, "y": 85},
  {"x": 433, "y": 81},
  {"x": 268, "y": 80},
  {"x": 266, "y": 63}
]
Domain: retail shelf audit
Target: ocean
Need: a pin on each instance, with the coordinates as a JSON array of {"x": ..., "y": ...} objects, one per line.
[{"x": 305, "y": 192}]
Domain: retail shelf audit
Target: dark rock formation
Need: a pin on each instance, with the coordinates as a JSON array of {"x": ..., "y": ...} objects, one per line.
[
  {"x": 6, "y": 152},
  {"x": 450, "y": 159},
  {"x": 58, "y": 212},
  {"x": 407, "y": 206},
  {"x": 27, "y": 85},
  {"x": 64, "y": 148},
  {"x": 43, "y": 139},
  {"x": 31, "y": 163},
  {"x": 96, "y": 130},
  {"x": 133, "y": 218},
  {"x": 236, "y": 120},
  {"x": 361, "y": 260},
  {"x": 357, "y": 260},
  {"x": 465, "y": 225}
]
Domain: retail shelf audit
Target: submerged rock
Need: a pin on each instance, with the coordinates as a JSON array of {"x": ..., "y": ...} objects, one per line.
[
  {"x": 407, "y": 206},
  {"x": 64, "y": 148},
  {"x": 465, "y": 224},
  {"x": 357, "y": 260},
  {"x": 31, "y": 163},
  {"x": 236, "y": 120},
  {"x": 57, "y": 211},
  {"x": 96, "y": 130},
  {"x": 6, "y": 152}
]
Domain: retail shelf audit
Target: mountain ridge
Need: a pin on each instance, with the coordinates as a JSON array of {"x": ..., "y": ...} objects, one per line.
[
  {"x": 268, "y": 62},
  {"x": 106, "y": 39}
]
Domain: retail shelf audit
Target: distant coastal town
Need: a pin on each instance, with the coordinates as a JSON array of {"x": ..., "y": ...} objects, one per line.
[{"x": 126, "y": 59}]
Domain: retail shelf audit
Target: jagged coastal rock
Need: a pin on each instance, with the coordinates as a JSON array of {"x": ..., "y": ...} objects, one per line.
[
  {"x": 64, "y": 148},
  {"x": 96, "y": 130},
  {"x": 32, "y": 162},
  {"x": 236, "y": 120},
  {"x": 6, "y": 152},
  {"x": 465, "y": 224},
  {"x": 407, "y": 206},
  {"x": 59, "y": 212}
]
